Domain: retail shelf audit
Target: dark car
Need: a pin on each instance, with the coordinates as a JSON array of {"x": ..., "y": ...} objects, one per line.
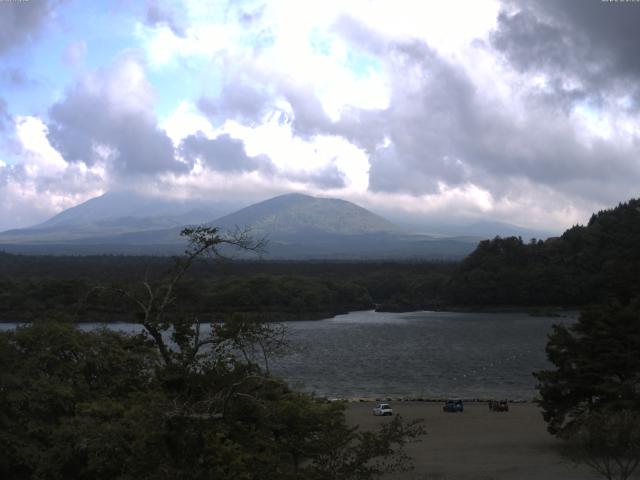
[
  {"x": 499, "y": 406},
  {"x": 453, "y": 406}
]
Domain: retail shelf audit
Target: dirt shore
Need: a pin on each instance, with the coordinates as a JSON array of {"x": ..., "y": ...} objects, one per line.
[{"x": 477, "y": 444}]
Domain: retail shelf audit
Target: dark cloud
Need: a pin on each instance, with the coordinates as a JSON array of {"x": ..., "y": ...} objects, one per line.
[
  {"x": 21, "y": 22},
  {"x": 240, "y": 100},
  {"x": 589, "y": 43},
  {"x": 159, "y": 14},
  {"x": 441, "y": 130},
  {"x": 89, "y": 118},
  {"x": 327, "y": 177},
  {"x": 228, "y": 155},
  {"x": 249, "y": 96},
  {"x": 224, "y": 154},
  {"x": 5, "y": 118}
]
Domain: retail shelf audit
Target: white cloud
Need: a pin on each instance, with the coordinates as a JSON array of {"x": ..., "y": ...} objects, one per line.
[
  {"x": 186, "y": 120},
  {"x": 43, "y": 183},
  {"x": 39, "y": 156},
  {"x": 313, "y": 89}
]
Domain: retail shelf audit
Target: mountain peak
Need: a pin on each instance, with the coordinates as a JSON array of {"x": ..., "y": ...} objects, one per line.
[{"x": 297, "y": 213}]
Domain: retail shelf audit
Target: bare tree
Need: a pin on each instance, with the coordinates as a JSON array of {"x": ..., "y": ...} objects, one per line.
[{"x": 155, "y": 297}]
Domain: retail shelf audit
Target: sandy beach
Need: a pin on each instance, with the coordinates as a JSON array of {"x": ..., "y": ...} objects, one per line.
[{"x": 477, "y": 444}]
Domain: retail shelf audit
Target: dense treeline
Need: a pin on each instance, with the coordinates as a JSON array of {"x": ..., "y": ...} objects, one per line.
[
  {"x": 590, "y": 397},
  {"x": 87, "y": 288},
  {"x": 587, "y": 264}
]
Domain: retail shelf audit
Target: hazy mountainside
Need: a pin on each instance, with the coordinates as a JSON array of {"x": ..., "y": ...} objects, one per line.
[
  {"x": 481, "y": 229},
  {"x": 300, "y": 226},
  {"x": 113, "y": 214},
  {"x": 297, "y": 214},
  {"x": 594, "y": 263},
  {"x": 128, "y": 205},
  {"x": 296, "y": 226}
]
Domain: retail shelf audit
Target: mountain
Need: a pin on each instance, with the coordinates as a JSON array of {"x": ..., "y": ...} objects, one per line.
[
  {"x": 481, "y": 229},
  {"x": 295, "y": 214},
  {"x": 296, "y": 226},
  {"x": 113, "y": 214},
  {"x": 300, "y": 226},
  {"x": 114, "y": 205}
]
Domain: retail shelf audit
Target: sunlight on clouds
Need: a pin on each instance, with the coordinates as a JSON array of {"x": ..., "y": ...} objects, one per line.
[
  {"x": 293, "y": 154},
  {"x": 298, "y": 81},
  {"x": 184, "y": 121},
  {"x": 465, "y": 201},
  {"x": 447, "y": 26},
  {"x": 48, "y": 183},
  {"x": 162, "y": 46},
  {"x": 205, "y": 183},
  {"x": 40, "y": 155},
  {"x": 593, "y": 121}
]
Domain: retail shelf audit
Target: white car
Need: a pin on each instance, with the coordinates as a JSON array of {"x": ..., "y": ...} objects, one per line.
[{"x": 383, "y": 409}]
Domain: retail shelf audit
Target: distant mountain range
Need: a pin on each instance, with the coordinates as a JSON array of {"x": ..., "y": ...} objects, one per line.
[
  {"x": 296, "y": 226},
  {"x": 482, "y": 229}
]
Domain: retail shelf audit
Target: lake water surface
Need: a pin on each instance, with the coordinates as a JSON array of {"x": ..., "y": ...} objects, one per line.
[{"x": 417, "y": 354}]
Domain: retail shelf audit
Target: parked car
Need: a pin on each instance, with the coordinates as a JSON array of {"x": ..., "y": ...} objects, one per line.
[
  {"x": 453, "y": 406},
  {"x": 383, "y": 409},
  {"x": 498, "y": 406}
]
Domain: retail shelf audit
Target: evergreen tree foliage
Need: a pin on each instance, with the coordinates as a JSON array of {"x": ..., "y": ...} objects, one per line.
[{"x": 587, "y": 264}]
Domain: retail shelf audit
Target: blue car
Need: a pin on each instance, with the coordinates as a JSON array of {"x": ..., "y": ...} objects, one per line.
[{"x": 453, "y": 406}]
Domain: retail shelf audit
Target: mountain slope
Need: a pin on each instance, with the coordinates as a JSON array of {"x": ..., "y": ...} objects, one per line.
[
  {"x": 303, "y": 227},
  {"x": 296, "y": 214},
  {"x": 296, "y": 227},
  {"x": 113, "y": 214}
]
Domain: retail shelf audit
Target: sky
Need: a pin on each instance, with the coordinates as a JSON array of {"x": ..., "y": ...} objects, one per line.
[{"x": 525, "y": 112}]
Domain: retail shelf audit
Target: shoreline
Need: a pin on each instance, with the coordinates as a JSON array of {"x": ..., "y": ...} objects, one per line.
[
  {"x": 476, "y": 443},
  {"x": 286, "y": 317},
  {"x": 430, "y": 400}
]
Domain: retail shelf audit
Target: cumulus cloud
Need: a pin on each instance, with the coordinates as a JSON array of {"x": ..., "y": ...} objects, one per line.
[
  {"x": 223, "y": 154},
  {"x": 21, "y": 22},
  {"x": 43, "y": 183},
  {"x": 441, "y": 129},
  {"x": 159, "y": 14},
  {"x": 542, "y": 106},
  {"x": 108, "y": 115},
  {"x": 585, "y": 47},
  {"x": 530, "y": 106},
  {"x": 239, "y": 99},
  {"x": 328, "y": 177}
]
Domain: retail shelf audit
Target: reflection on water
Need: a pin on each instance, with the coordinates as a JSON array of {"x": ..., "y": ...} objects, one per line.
[{"x": 417, "y": 354}]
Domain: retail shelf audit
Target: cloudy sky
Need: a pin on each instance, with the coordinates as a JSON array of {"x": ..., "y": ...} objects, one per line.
[{"x": 519, "y": 111}]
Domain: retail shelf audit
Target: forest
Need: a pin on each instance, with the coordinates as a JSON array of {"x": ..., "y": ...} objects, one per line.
[
  {"x": 171, "y": 402},
  {"x": 587, "y": 264}
]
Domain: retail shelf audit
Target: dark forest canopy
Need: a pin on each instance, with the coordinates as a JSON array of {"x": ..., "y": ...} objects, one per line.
[
  {"x": 587, "y": 264},
  {"x": 31, "y": 287}
]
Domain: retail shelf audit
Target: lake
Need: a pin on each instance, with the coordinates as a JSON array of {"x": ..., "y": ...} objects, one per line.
[{"x": 418, "y": 354}]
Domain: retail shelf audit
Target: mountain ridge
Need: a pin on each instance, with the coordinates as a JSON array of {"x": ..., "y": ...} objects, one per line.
[
  {"x": 297, "y": 226},
  {"x": 296, "y": 213}
]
